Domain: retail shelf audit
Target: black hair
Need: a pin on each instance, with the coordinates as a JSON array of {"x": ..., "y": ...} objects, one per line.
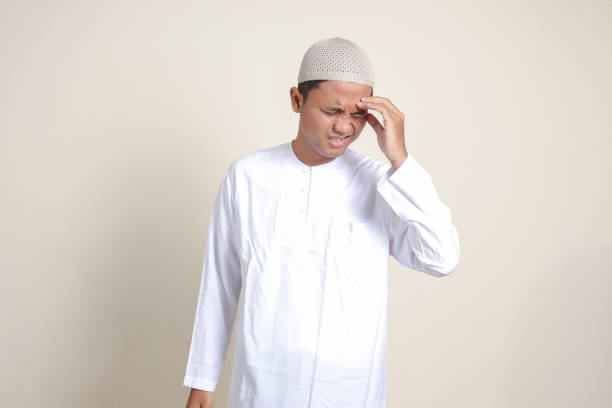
[{"x": 306, "y": 86}]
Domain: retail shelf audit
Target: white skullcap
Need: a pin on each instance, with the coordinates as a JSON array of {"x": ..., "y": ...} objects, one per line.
[{"x": 336, "y": 59}]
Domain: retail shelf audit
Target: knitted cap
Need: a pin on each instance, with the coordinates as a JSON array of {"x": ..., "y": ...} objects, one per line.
[{"x": 336, "y": 59}]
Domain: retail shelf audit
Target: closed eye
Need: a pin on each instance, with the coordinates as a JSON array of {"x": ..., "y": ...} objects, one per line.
[{"x": 359, "y": 115}]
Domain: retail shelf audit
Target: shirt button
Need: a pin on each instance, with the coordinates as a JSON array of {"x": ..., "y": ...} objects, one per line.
[{"x": 301, "y": 210}]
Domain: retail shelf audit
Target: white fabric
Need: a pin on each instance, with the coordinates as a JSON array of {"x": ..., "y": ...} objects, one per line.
[{"x": 309, "y": 247}]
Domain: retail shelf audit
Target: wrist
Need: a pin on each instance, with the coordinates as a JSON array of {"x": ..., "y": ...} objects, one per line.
[{"x": 396, "y": 163}]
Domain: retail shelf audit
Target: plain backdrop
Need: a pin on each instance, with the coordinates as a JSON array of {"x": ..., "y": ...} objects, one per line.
[{"x": 118, "y": 120}]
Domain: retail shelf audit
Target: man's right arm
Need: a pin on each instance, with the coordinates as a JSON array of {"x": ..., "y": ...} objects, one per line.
[{"x": 220, "y": 288}]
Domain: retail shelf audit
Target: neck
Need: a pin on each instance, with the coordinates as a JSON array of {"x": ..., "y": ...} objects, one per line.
[{"x": 306, "y": 154}]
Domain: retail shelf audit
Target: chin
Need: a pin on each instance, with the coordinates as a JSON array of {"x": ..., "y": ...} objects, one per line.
[{"x": 336, "y": 153}]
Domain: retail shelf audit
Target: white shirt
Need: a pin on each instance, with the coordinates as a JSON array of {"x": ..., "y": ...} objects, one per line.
[{"x": 309, "y": 246}]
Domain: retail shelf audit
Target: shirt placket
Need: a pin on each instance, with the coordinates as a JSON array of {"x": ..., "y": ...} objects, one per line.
[
  {"x": 306, "y": 179},
  {"x": 323, "y": 194}
]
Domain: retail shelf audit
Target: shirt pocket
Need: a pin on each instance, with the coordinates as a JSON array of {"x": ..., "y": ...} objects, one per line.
[{"x": 363, "y": 257}]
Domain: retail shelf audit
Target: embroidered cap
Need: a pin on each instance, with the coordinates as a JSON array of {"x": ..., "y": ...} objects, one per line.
[{"x": 338, "y": 59}]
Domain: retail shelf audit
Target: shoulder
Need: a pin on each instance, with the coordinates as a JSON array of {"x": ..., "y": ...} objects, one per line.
[
  {"x": 256, "y": 166},
  {"x": 258, "y": 160},
  {"x": 366, "y": 167}
]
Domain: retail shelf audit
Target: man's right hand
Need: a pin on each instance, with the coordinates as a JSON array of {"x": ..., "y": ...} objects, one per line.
[{"x": 200, "y": 399}]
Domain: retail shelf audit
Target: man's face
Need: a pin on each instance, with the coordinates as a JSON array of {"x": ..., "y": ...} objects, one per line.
[{"x": 330, "y": 120}]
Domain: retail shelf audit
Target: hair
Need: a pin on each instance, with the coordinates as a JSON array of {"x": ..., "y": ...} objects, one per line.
[{"x": 307, "y": 86}]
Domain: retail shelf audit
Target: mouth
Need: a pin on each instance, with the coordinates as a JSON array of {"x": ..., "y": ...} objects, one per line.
[{"x": 338, "y": 141}]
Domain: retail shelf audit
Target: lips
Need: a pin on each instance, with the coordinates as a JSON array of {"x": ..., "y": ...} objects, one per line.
[{"x": 338, "y": 142}]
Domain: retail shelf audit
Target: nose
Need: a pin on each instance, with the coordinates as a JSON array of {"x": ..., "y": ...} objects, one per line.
[{"x": 343, "y": 125}]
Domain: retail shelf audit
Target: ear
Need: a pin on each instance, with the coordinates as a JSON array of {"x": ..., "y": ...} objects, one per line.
[{"x": 297, "y": 100}]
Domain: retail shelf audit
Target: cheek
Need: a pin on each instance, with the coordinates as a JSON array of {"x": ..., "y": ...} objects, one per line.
[
  {"x": 360, "y": 124},
  {"x": 310, "y": 124},
  {"x": 326, "y": 121},
  {"x": 322, "y": 124},
  {"x": 318, "y": 121}
]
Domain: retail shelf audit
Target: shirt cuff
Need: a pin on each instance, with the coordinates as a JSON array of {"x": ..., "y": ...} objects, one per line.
[
  {"x": 409, "y": 190},
  {"x": 199, "y": 383},
  {"x": 409, "y": 175}
]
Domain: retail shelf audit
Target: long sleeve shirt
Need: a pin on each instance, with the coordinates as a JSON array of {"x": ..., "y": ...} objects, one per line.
[{"x": 309, "y": 247}]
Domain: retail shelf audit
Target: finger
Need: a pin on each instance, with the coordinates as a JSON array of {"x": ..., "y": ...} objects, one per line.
[
  {"x": 382, "y": 108},
  {"x": 384, "y": 101},
  {"x": 378, "y": 128}
]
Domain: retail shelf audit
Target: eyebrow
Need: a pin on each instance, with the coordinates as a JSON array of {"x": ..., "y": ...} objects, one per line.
[{"x": 335, "y": 109}]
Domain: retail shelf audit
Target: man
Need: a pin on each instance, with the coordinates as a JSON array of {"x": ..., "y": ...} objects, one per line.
[{"x": 305, "y": 229}]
